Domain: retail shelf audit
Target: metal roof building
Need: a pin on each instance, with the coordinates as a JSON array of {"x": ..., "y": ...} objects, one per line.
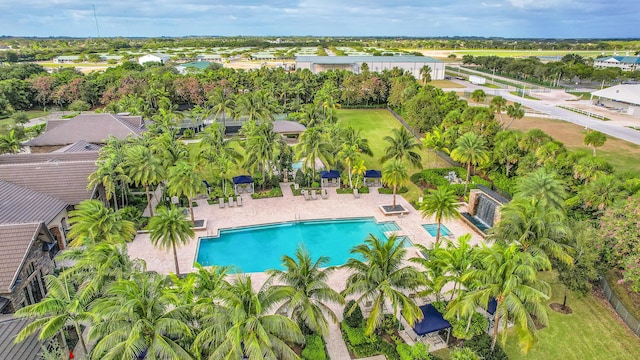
[{"x": 412, "y": 64}]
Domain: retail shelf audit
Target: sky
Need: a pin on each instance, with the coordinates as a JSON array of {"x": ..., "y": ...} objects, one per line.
[{"x": 415, "y": 18}]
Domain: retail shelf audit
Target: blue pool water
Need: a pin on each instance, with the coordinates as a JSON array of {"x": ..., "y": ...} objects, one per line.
[
  {"x": 433, "y": 229},
  {"x": 258, "y": 248},
  {"x": 297, "y": 165}
]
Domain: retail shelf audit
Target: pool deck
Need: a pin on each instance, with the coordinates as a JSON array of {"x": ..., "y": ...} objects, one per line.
[{"x": 291, "y": 208}]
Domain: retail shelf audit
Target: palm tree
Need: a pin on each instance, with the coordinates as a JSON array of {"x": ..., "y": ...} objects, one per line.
[
  {"x": 311, "y": 116},
  {"x": 395, "y": 174},
  {"x": 331, "y": 104},
  {"x": 478, "y": 95},
  {"x": 221, "y": 103},
  {"x": 141, "y": 318},
  {"x": 433, "y": 275},
  {"x": 514, "y": 111},
  {"x": 535, "y": 227},
  {"x": 403, "y": 145},
  {"x": 170, "y": 228},
  {"x": 64, "y": 304},
  {"x": 510, "y": 276},
  {"x": 213, "y": 145},
  {"x": 353, "y": 137},
  {"x": 144, "y": 168},
  {"x": 9, "y": 143},
  {"x": 497, "y": 104},
  {"x": 92, "y": 222},
  {"x": 543, "y": 186},
  {"x": 314, "y": 145},
  {"x": 595, "y": 139},
  {"x": 506, "y": 150},
  {"x": 425, "y": 74},
  {"x": 305, "y": 290},
  {"x": 456, "y": 259},
  {"x": 241, "y": 326},
  {"x": 442, "y": 204},
  {"x": 349, "y": 154},
  {"x": 435, "y": 140},
  {"x": 184, "y": 180},
  {"x": 359, "y": 170},
  {"x": 380, "y": 277},
  {"x": 106, "y": 175},
  {"x": 471, "y": 150},
  {"x": 260, "y": 147}
]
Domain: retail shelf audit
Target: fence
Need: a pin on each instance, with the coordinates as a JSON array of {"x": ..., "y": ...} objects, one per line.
[{"x": 617, "y": 305}]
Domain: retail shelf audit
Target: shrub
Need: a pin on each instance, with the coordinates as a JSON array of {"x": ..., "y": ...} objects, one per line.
[
  {"x": 315, "y": 184},
  {"x": 275, "y": 192},
  {"x": 355, "y": 318},
  {"x": 419, "y": 351},
  {"x": 314, "y": 348},
  {"x": 356, "y": 336},
  {"x": 188, "y": 133},
  {"x": 132, "y": 214},
  {"x": 401, "y": 190},
  {"x": 481, "y": 345},
  {"x": 503, "y": 184},
  {"x": 459, "y": 326}
]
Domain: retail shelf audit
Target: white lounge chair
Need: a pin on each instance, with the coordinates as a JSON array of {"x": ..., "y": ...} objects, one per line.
[
  {"x": 231, "y": 204},
  {"x": 239, "y": 201},
  {"x": 324, "y": 193},
  {"x": 221, "y": 202},
  {"x": 305, "y": 193},
  {"x": 314, "y": 196},
  {"x": 356, "y": 194}
]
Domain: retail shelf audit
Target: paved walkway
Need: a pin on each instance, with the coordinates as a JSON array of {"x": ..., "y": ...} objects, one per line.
[{"x": 288, "y": 208}]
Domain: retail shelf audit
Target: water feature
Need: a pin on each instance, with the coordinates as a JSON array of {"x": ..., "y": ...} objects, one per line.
[{"x": 486, "y": 209}]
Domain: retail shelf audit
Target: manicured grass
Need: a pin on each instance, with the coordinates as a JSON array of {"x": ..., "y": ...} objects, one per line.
[
  {"x": 445, "y": 84},
  {"x": 592, "y": 331},
  {"x": 621, "y": 154},
  {"x": 375, "y": 125},
  {"x": 525, "y": 53}
]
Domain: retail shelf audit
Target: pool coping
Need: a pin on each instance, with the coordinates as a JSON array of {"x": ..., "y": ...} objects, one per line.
[{"x": 287, "y": 222}]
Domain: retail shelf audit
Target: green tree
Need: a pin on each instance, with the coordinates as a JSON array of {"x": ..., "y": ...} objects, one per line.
[
  {"x": 440, "y": 203},
  {"x": 221, "y": 103},
  {"x": 514, "y": 111},
  {"x": 314, "y": 145},
  {"x": 478, "y": 95},
  {"x": 359, "y": 170},
  {"x": 425, "y": 74},
  {"x": 380, "y": 277},
  {"x": 10, "y": 143},
  {"x": 349, "y": 154},
  {"x": 260, "y": 147},
  {"x": 144, "y": 168},
  {"x": 545, "y": 187},
  {"x": 170, "y": 228},
  {"x": 471, "y": 150},
  {"x": 509, "y": 275},
  {"x": 506, "y": 151},
  {"x": 185, "y": 180},
  {"x": 498, "y": 104},
  {"x": 141, "y": 318},
  {"x": 435, "y": 141},
  {"x": 92, "y": 222},
  {"x": 243, "y": 327},
  {"x": 594, "y": 139},
  {"x": 65, "y": 304},
  {"x": 305, "y": 291},
  {"x": 395, "y": 174},
  {"x": 402, "y": 145}
]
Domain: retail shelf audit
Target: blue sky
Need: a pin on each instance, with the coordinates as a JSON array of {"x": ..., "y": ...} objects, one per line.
[{"x": 504, "y": 18}]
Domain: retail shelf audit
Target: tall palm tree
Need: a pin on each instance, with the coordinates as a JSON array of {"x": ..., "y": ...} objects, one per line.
[
  {"x": 351, "y": 137},
  {"x": 456, "y": 259},
  {"x": 403, "y": 145},
  {"x": 595, "y": 139},
  {"x": 106, "y": 175},
  {"x": 359, "y": 170},
  {"x": 311, "y": 115},
  {"x": 470, "y": 149},
  {"x": 348, "y": 155},
  {"x": 169, "y": 228},
  {"x": 506, "y": 150},
  {"x": 185, "y": 180},
  {"x": 241, "y": 326},
  {"x": 260, "y": 146},
  {"x": 305, "y": 290},
  {"x": 509, "y": 275},
  {"x": 213, "y": 145},
  {"x": 425, "y": 74},
  {"x": 395, "y": 174},
  {"x": 543, "y": 186},
  {"x": 65, "y": 304},
  {"x": 436, "y": 141},
  {"x": 478, "y": 95},
  {"x": 380, "y": 277},
  {"x": 514, "y": 111},
  {"x": 433, "y": 276},
  {"x": 141, "y": 318},
  {"x": 314, "y": 145},
  {"x": 221, "y": 103},
  {"x": 144, "y": 168},
  {"x": 497, "y": 105},
  {"x": 535, "y": 228},
  {"x": 92, "y": 222},
  {"x": 169, "y": 149},
  {"x": 442, "y": 204}
]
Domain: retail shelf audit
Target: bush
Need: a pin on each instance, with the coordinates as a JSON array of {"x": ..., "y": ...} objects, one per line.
[
  {"x": 315, "y": 184},
  {"x": 481, "y": 345},
  {"x": 362, "y": 190},
  {"x": 314, "y": 348},
  {"x": 503, "y": 184},
  {"x": 355, "y": 319},
  {"x": 275, "y": 192},
  {"x": 188, "y": 134},
  {"x": 384, "y": 190},
  {"x": 132, "y": 214},
  {"x": 459, "y": 326},
  {"x": 419, "y": 351},
  {"x": 355, "y": 335}
]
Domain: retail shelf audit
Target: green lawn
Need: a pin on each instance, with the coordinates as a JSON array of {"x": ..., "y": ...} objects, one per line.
[
  {"x": 445, "y": 84},
  {"x": 592, "y": 331},
  {"x": 32, "y": 114},
  {"x": 375, "y": 125}
]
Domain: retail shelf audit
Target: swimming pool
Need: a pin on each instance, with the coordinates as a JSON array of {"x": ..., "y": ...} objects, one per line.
[
  {"x": 432, "y": 229},
  {"x": 258, "y": 248}
]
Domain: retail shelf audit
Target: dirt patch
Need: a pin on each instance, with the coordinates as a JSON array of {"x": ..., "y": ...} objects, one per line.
[{"x": 557, "y": 307}]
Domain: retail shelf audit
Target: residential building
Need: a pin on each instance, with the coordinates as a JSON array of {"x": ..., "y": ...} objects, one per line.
[
  {"x": 157, "y": 58},
  {"x": 412, "y": 64},
  {"x": 626, "y": 63},
  {"x": 90, "y": 128}
]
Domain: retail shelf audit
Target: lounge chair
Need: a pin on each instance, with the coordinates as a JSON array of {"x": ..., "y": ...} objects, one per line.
[
  {"x": 221, "y": 202},
  {"x": 305, "y": 193},
  {"x": 314, "y": 196},
  {"x": 231, "y": 204},
  {"x": 356, "y": 194},
  {"x": 239, "y": 201},
  {"x": 324, "y": 193}
]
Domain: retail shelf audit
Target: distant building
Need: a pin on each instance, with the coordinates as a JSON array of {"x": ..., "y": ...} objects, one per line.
[
  {"x": 157, "y": 58},
  {"x": 211, "y": 58},
  {"x": 194, "y": 66},
  {"x": 65, "y": 59},
  {"x": 626, "y": 63},
  {"x": 412, "y": 64},
  {"x": 621, "y": 98}
]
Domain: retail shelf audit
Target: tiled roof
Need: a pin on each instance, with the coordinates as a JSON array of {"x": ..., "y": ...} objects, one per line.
[
  {"x": 21, "y": 205},
  {"x": 15, "y": 241},
  {"x": 80, "y": 146},
  {"x": 92, "y": 128},
  {"x": 48, "y": 157},
  {"x": 65, "y": 180},
  {"x": 26, "y": 350}
]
